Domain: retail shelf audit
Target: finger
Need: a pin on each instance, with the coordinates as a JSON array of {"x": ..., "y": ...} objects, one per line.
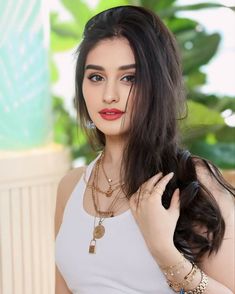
[
  {"x": 149, "y": 184},
  {"x": 160, "y": 187},
  {"x": 175, "y": 200}
]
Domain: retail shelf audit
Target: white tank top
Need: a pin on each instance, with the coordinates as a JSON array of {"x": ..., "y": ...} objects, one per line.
[{"x": 122, "y": 263}]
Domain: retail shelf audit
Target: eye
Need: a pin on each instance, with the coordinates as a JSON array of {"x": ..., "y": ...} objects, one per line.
[
  {"x": 129, "y": 79},
  {"x": 95, "y": 78}
]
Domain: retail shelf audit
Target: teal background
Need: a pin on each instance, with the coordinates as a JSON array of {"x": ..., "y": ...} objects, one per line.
[{"x": 25, "y": 102}]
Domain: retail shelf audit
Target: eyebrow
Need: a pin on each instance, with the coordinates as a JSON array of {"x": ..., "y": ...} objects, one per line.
[{"x": 98, "y": 67}]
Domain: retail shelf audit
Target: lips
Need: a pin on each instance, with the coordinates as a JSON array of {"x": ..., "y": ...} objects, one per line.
[{"x": 111, "y": 114}]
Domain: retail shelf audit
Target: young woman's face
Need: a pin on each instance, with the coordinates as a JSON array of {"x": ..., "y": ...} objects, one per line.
[{"x": 108, "y": 78}]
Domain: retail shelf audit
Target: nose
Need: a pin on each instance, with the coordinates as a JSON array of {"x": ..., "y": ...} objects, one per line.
[{"x": 110, "y": 94}]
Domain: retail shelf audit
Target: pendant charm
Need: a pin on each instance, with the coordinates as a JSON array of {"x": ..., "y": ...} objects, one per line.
[
  {"x": 92, "y": 246},
  {"x": 98, "y": 232},
  {"x": 109, "y": 192}
]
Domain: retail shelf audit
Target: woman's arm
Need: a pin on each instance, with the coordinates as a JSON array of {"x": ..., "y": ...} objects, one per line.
[
  {"x": 64, "y": 191},
  {"x": 60, "y": 285},
  {"x": 221, "y": 265},
  {"x": 154, "y": 220}
]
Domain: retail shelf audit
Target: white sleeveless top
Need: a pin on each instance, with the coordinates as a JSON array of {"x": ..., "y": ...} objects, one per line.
[{"x": 122, "y": 263}]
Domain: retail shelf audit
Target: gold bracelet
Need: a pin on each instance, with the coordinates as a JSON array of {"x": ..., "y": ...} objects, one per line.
[
  {"x": 171, "y": 270},
  {"x": 190, "y": 276},
  {"x": 202, "y": 285},
  {"x": 177, "y": 286},
  {"x": 190, "y": 273}
]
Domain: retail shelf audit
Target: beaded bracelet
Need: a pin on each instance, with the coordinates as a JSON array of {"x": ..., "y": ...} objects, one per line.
[
  {"x": 172, "y": 270},
  {"x": 177, "y": 286}
]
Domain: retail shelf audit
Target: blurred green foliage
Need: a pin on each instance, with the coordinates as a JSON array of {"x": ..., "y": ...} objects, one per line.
[{"x": 203, "y": 131}]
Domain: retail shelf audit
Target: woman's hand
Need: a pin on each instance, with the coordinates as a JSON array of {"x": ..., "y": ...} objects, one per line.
[{"x": 156, "y": 223}]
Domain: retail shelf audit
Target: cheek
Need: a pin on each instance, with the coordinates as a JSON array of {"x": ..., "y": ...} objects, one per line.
[
  {"x": 90, "y": 97},
  {"x": 85, "y": 90},
  {"x": 90, "y": 92},
  {"x": 87, "y": 93}
]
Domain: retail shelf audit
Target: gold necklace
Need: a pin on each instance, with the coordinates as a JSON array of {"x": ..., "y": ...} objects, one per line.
[
  {"x": 109, "y": 180},
  {"x": 96, "y": 206},
  {"x": 99, "y": 230},
  {"x": 109, "y": 192}
]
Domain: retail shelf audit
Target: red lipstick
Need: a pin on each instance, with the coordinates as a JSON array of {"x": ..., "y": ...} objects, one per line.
[{"x": 111, "y": 114}]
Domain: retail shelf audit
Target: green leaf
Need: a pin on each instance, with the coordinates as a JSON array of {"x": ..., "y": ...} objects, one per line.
[
  {"x": 62, "y": 43},
  {"x": 54, "y": 74},
  {"x": 226, "y": 134},
  {"x": 103, "y": 5},
  {"x": 172, "y": 10},
  {"x": 67, "y": 29},
  {"x": 195, "y": 79},
  {"x": 204, "y": 5},
  {"x": 200, "y": 120},
  {"x": 199, "y": 114},
  {"x": 79, "y": 10},
  {"x": 203, "y": 49},
  {"x": 218, "y": 103},
  {"x": 154, "y": 5},
  {"x": 162, "y": 4},
  {"x": 221, "y": 154},
  {"x": 53, "y": 18},
  {"x": 179, "y": 25}
]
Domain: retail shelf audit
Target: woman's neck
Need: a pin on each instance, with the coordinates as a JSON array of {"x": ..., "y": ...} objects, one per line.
[{"x": 113, "y": 153}]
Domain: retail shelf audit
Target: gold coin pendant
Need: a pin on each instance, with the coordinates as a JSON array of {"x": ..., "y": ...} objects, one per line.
[{"x": 99, "y": 231}]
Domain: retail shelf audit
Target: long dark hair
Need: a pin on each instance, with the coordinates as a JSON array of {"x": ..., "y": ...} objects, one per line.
[{"x": 153, "y": 141}]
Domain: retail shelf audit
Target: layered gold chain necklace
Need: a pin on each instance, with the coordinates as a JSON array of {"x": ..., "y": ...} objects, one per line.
[
  {"x": 99, "y": 229},
  {"x": 112, "y": 187}
]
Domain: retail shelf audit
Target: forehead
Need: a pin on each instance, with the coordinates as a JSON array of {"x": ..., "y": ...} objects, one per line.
[{"x": 113, "y": 52}]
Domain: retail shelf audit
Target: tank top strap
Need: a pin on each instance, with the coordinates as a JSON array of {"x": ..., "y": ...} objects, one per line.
[{"x": 77, "y": 195}]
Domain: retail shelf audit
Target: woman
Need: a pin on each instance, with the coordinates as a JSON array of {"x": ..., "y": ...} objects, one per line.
[{"x": 145, "y": 216}]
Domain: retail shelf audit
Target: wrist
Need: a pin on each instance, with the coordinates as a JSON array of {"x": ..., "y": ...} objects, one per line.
[
  {"x": 167, "y": 254},
  {"x": 180, "y": 273}
]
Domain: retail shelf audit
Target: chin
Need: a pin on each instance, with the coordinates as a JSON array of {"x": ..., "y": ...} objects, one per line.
[{"x": 112, "y": 131}]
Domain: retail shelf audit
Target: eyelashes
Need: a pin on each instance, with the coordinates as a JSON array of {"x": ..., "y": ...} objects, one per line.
[
  {"x": 130, "y": 78},
  {"x": 98, "y": 78},
  {"x": 95, "y": 78}
]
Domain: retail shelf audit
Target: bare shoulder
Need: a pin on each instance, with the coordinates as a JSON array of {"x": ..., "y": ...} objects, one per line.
[{"x": 64, "y": 190}]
